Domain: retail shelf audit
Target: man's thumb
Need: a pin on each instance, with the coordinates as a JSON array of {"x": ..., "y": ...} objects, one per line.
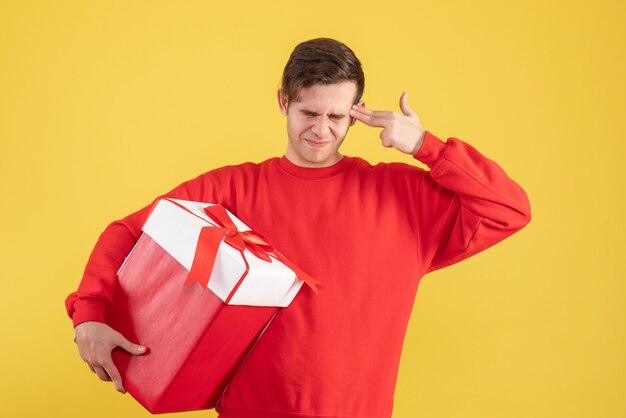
[
  {"x": 134, "y": 349},
  {"x": 404, "y": 105}
]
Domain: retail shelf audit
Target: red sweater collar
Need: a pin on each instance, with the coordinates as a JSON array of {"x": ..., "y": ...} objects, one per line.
[{"x": 315, "y": 173}]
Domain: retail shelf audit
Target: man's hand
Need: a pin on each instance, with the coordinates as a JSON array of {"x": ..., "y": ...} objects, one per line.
[
  {"x": 401, "y": 131},
  {"x": 95, "y": 342}
]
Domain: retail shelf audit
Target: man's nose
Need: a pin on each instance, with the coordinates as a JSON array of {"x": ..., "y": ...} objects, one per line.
[{"x": 320, "y": 127}]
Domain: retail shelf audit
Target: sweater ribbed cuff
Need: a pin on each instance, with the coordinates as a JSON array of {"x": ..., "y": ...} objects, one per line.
[
  {"x": 431, "y": 150},
  {"x": 88, "y": 310}
]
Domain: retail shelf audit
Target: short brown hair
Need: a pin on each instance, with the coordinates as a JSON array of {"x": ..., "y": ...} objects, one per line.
[{"x": 321, "y": 61}]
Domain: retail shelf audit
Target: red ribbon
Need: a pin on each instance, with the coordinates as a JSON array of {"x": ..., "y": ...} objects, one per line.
[{"x": 209, "y": 242}]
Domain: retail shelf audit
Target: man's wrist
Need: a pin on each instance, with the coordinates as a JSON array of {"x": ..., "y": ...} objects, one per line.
[{"x": 419, "y": 144}]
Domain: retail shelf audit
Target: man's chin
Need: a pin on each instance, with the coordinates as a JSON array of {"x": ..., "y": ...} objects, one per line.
[{"x": 319, "y": 160}]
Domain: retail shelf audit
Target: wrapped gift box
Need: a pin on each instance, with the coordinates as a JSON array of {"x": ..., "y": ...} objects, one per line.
[{"x": 198, "y": 289}]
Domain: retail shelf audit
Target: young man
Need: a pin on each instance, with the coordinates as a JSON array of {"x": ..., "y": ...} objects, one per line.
[{"x": 367, "y": 233}]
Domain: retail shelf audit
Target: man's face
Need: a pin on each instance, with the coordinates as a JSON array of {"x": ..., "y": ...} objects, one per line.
[{"x": 318, "y": 123}]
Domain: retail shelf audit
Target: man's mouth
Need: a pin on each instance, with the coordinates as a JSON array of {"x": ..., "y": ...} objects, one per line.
[{"x": 317, "y": 144}]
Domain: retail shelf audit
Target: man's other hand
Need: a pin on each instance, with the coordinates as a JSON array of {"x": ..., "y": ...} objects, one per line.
[
  {"x": 401, "y": 131},
  {"x": 95, "y": 342}
]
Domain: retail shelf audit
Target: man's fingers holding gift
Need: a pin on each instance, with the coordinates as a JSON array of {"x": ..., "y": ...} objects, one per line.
[
  {"x": 102, "y": 374},
  {"x": 96, "y": 341},
  {"x": 90, "y": 367},
  {"x": 134, "y": 349},
  {"x": 114, "y": 375}
]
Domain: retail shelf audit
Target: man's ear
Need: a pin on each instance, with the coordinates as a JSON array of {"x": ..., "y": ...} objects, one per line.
[
  {"x": 361, "y": 103},
  {"x": 282, "y": 101}
]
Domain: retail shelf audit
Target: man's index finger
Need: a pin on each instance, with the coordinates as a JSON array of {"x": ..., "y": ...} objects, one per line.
[{"x": 369, "y": 117}]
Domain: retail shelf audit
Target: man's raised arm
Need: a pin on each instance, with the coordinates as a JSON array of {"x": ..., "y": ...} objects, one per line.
[{"x": 465, "y": 203}]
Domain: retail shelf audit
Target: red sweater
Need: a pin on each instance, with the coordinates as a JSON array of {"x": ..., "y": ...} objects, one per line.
[{"x": 368, "y": 234}]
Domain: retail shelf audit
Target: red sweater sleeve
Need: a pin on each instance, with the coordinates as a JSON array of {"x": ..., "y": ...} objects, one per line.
[
  {"x": 467, "y": 203},
  {"x": 92, "y": 300}
]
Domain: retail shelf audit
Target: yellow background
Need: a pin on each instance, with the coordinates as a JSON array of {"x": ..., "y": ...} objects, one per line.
[{"x": 105, "y": 104}]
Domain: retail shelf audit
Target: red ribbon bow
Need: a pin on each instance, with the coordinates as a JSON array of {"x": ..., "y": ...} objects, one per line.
[{"x": 209, "y": 242}]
